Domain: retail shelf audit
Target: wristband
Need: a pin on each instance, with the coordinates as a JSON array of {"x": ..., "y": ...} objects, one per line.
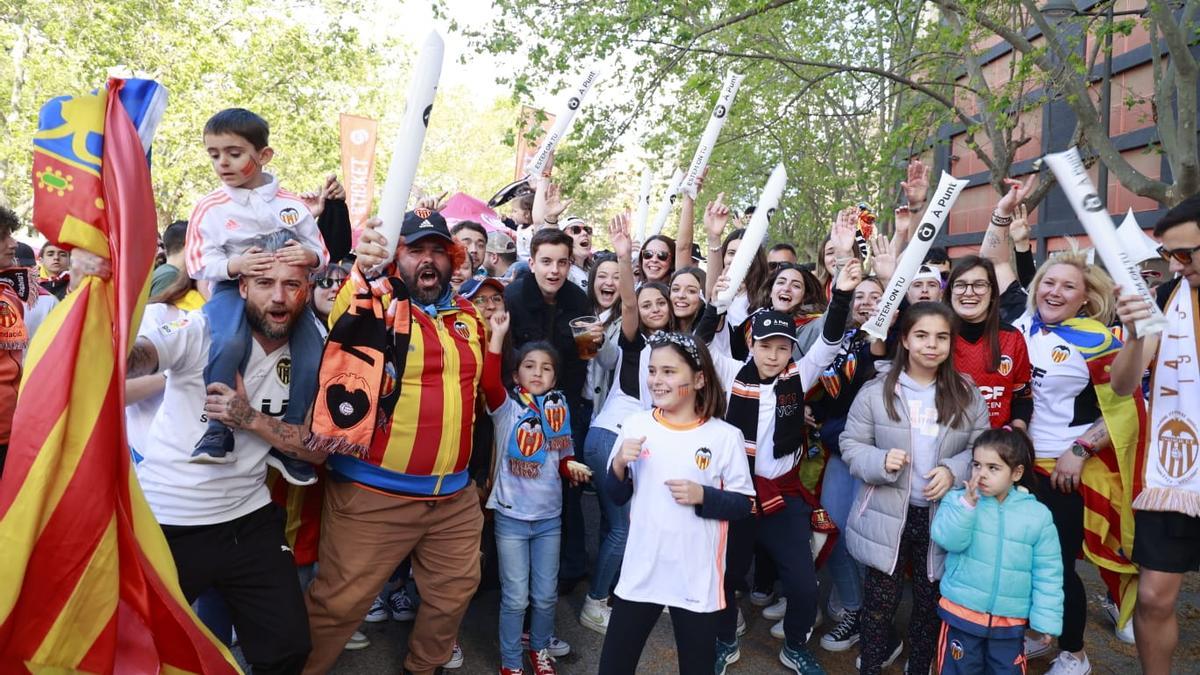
[
  {"x": 1001, "y": 221},
  {"x": 550, "y": 222},
  {"x": 1088, "y": 447}
]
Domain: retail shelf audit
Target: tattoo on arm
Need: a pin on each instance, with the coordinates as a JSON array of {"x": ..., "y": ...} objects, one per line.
[
  {"x": 143, "y": 360},
  {"x": 241, "y": 415},
  {"x": 1097, "y": 435}
]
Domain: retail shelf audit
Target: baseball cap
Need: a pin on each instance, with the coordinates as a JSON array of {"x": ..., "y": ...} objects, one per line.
[
  {"x": 500, "y": 242},
  {"x": 471, "y": 286},
  {"x": 421, "y": 223},
  {"x": 928, "y": 272},
  {"x": 696, "y": 255},
  {"x": 771, "y": 324},
  {"x": 517, "y": 188},
  {"x": 24, "y": 256}
]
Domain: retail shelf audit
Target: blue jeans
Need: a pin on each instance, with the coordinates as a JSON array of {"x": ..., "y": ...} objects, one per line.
[
  {"x": 230, "y": 350},
  {"x": 596, "y": 450},
  {"x": 527, "y": 552},
  {"x": 837, "y": 496}
]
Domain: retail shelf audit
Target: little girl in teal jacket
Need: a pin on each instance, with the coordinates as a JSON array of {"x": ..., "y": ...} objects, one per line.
[{"x": 1003, "y": 561}]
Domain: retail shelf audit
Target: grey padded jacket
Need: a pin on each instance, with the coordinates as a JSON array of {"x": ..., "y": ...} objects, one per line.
[{"x": 880, "y": 509}]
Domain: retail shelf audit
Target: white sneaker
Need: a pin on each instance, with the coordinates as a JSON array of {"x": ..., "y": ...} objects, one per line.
[
  {"x": 1036, "y": 648},
  {"x": 1123, "y": 634},
  {"x": 777, "y": 630},
  {"x": 557, "y": 648},
  {"x": 760, "y": 599},
  {"x": 1067, "y": 664},
  {"x": 741, "y": 623},
  {"x": 379, "y": 611},
  {"x": 595, "y": 614},
  {"x": 356, "y": 642},
  {"x": 456, "y": 658},
  {"x": 776, "y": 611}
]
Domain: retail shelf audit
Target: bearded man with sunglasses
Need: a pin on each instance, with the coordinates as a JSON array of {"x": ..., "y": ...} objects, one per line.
[{"x": 1167, "y": 494}]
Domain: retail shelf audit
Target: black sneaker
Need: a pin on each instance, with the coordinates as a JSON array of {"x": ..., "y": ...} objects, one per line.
[
  {"x": 896, "y": 646},
  {"x": 214, "y": 447},
  {"x": 294, "y": 471},
  {"x": 843, "y": 636}
]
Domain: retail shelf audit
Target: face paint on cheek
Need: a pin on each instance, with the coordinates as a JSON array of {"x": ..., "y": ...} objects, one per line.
[
  {"x": 684, "y": 389},
  {"x": 250, "y": 168}
]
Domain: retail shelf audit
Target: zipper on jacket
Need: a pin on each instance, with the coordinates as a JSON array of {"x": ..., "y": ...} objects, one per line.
[{"x": 999, "y": 557}]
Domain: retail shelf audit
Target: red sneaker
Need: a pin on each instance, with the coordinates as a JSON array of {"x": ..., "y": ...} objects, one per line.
[
  {"x": 511, "y": 671},
  {"x": 542, "y": 662}
]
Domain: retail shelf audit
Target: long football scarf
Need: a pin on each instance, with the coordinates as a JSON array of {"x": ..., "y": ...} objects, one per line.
[
  {"x": 1108, "y": 480},
  {"x": 363, "y": 365},
  {"x": 544, "y": 426},
  {"x": 1171, "y": 472}
]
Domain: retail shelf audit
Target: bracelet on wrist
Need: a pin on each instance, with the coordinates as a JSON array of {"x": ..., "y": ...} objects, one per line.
[
  {"x": 1001, "y": 221},
  {"x": 549, "y": 222}
]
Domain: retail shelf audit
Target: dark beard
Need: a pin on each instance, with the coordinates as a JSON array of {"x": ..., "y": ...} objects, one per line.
[
  {"x": 426, "y": 297},
  {"x": 257, "y": 318}
]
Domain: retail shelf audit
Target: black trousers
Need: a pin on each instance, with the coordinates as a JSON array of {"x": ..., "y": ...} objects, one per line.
[
  {"x": 1067, "y": 510},
  {"x": 630, "y": 626},
  {"x": 248, "y": 562}
]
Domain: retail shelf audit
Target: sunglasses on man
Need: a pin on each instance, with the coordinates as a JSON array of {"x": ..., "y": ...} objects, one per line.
[
  {"x": 1183, "y": 256},
  {"x": 579, "y": 229}
]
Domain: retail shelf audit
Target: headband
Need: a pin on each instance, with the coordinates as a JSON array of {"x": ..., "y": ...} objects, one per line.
[{"x": 683, "y": 341}]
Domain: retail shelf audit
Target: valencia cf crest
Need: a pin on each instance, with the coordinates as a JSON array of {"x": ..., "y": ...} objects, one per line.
[
  {"x": 463, "y": 331},
  {"x": 422, "y": 213},
  {"x": 555, "y": 411},
  {"x": 1006, "y": 365},
  {"x": 956, "y": 650},
  {"x": 1178, "y": 448},
  {"x": 1060, "y": 354},
  {"x": 289, "y": 216},
  {"x": 8, "y": 315},
  {"x": 703, "y": 458},
  {"x": 283, "y": 370},
  {"x": 529, "y": 437}
]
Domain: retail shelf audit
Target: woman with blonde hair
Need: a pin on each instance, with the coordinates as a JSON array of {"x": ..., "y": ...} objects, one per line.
[{"x": 1083, "y": 434}]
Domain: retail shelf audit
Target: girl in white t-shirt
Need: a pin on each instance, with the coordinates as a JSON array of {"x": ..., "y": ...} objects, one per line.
[{"x": 685, "y": 475}]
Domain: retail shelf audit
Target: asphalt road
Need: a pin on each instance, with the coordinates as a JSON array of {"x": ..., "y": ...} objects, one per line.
[{"x": 478, "y": 637}]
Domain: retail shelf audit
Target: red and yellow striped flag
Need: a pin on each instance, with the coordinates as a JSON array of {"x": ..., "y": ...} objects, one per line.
[{"x": 89, "y": 582}]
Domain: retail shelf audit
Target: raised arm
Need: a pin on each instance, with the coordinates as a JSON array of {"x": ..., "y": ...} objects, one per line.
[
  {"x": 143, "y": 360},
  {"x": 997, "y": 241},
  {"x": 618, "y": 234},
  {"x": 687, "y": 225},
  {"x": 1137, "y": 352},
  {"x": 716, "y": 218}
]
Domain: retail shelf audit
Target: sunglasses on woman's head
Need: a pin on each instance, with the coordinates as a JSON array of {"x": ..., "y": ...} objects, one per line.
[
  {"x": 330, "y": 282},
  {"x": 661, "y": 255},
  {"x": 1183, "y": 256}
]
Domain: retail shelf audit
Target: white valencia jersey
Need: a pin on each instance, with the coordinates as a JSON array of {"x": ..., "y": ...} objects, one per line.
[
  {"x": 1064, "y": 400},
  {"x": 672, "y": 556},
  {"x": 223, "y": 224},
  {"x": 183, "y": 493}
]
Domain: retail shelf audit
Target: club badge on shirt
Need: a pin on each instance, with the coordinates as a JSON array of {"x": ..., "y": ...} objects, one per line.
[{"x": 703, "y": 458}]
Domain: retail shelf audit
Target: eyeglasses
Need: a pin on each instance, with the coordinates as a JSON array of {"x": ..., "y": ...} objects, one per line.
[
  {"x": 489, "y": 300},
  {"x": 978, "y": 287},
  {"x": 330, "y": 282},
  {"x": 1183, "y": 256},
  {"x": 647, "y": 254},
  {"x": 576, "y": 229}
]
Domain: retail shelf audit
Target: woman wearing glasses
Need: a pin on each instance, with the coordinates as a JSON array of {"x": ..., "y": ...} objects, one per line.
[
  {"x": 581, "y": 250},
  {"x": 992, "y": 353}
]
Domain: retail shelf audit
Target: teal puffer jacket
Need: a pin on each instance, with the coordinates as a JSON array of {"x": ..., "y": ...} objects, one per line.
[{"x": 1002, "y": 558}]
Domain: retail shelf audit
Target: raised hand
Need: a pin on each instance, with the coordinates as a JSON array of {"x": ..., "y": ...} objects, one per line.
[
  {"x": 555, "y": 203},
  {"x": 1020, "y": 230},
  {"x": 630, "y": 451},
  {"x": 883, "y": 256},
  {"x": 716, "y": 219},
  {"x": 904, "y": 217},
  {"x": 917, "y": 185},
  {"x": 849, "y": 277},
  {"x": 972, "y": 487},
  {"x": 371, "y": 252},
  {"x": 499, "y": 322},
  {"x": 842, "y": 234},
  {"x": 1018, "y": 191},
  {"x": 619, "y": 237},
  {"x": 333, "y": 188}
]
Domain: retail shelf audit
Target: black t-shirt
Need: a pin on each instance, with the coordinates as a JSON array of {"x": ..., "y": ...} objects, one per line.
[{"x": 1013, "y": 302}]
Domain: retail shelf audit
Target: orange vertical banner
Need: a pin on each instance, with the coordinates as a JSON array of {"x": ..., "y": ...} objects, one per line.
[
  {"x": 358, "y": 166},
  {"x": 530, "y": 126}
]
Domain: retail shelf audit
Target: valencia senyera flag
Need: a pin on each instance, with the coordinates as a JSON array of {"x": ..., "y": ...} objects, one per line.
[{"x": 89, "y": 582}]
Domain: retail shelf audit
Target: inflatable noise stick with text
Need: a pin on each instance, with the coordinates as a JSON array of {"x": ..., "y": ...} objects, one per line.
[{"x": 756, "y": 233}]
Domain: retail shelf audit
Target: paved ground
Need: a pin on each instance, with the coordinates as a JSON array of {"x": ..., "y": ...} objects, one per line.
[{"x": 759, "y": 649}]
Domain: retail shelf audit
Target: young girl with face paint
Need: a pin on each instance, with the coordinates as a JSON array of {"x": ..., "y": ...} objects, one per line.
[
  {"x": 533, "y": 433},
  {"x": 684, "y": 474},
  {"x": 766, "y": 403},
  {"x": 908, "y": 437},
  {"x": 644, "y": 312}
]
